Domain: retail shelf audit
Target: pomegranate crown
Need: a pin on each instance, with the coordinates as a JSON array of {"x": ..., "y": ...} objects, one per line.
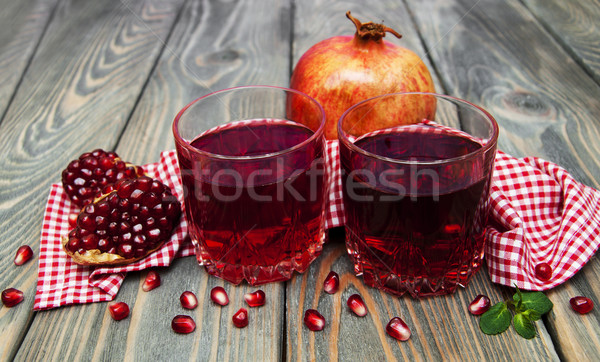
[{"x": 371, "y": 30}]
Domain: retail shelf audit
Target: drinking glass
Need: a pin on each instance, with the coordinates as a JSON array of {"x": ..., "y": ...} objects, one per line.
[
  {"x": 416, "y": 170},
  {"x": 253, "y": 171}
]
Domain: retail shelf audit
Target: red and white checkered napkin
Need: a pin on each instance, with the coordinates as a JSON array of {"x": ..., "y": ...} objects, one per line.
[{"x": 62, "y": 282}]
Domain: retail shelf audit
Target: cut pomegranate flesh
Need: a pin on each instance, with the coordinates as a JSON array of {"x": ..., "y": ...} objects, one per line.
[
  {"x": 581, "y": 305},
  {"x": 151, "y": 281},
  {"x": 255, "y": 299},
  {"x": 219, "y": 296},
  {"x": 183, "y": 324},
  {"x": 479, "y": 305},
  {"x": 131, "y": 219},
  {"x": 357, "y": 305},
  {"x": 188, "y": 300},
  {"x": 92, "y": 171},
  {"x": 398, "y": 329},
  {"x": 543, "y": 271},
  {"x": 331, "y": 283},
  {"x": 240, "y": 318},
  {"x": 24, "y": 254},
  {"x": 314, "y": 320},
  {"x": 11, "y": 297},
  {"x": 118, "y": 310}
]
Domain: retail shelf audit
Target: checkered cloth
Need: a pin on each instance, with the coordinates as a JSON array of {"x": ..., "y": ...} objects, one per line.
[{"x": 539, "y": 214}]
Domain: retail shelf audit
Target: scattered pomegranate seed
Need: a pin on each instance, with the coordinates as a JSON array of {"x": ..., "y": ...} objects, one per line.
[
  {"x": 118, "y": 310},
  {"x": 188, "y": 300},
  {"x": 331, "y": 283},
  {"x": 314, "y": 320},
  {"x": 240, "y": 318},
  {"x": 255, "y": 299},
  {"x": 581, "y": 305},
  {"x": 73, "y": 220},
  {"x": 219, "y": 296},
  {"x": 11, "y": 297},
  {"x": 398, "y": 329},
  {"x": 183, "y": 324},
  {"x": 152, "y": 281},
  {"x": 357, "y": 305},
  {"x": 24, "y": 253},
  {"x": 479, "y": 305},
  {"x": 543, "y": 271}
]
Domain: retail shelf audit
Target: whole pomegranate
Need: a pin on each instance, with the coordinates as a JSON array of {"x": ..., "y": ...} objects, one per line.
[{"x": 344, "y": 70}]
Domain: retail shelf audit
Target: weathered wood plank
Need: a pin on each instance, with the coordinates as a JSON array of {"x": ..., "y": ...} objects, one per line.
[
  {"x": 22, "y": 24},
  {"x": 575, "y": 25},
  {"x": 214, "y": 45},
  {"x": 442, "y": 327},
  {"x": 496, "y": 54},
  {"x": 77, "y": 94}
]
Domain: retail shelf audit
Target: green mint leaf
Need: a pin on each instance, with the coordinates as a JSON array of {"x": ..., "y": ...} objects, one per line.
[
  {"x": 536, "y": 301},
  {"x": 518, "y": 300},
  {"x": 532, "y": 315},
  {"x": 495, "y": 320},
  {"x": 524, "y": 326}
]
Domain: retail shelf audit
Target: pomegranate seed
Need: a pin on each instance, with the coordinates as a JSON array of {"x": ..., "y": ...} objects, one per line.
[
  {"x": 255, "y": 299},
  {"x": 219, "y": 296},
  {"x": 240, "y": 318},
  {"x": 11, "y": 297},
  {"x": 543, "y": 271},
  {"x": 118, "y": 310},
  {"x": 479, "y": 305},
  {"x": 398, "y": 329},
  {"x": 188, "y": 300},
  {"x": 314, "y": 320},
  {"x": 152, "y": 281},
  {"x": 73, "y": 220},
  {"x": 357, "y": 305},
  {"x": 183, "y": 324},
  {"x": 24, "y": 253},
  {"x": 581, "y": 305},
  {"x": 331, "y": 283}
]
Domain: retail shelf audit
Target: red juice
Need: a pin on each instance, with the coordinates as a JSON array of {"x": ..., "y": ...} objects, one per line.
[
  {"x": 257, "y": 217},
  {"x": 415, "y": 227}
]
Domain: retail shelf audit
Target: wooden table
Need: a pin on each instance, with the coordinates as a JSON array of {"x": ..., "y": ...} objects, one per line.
[{"x": 79, "y": 75}]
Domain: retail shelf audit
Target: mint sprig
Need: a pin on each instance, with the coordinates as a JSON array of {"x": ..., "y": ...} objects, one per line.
[{"x": 528, "y": 307}]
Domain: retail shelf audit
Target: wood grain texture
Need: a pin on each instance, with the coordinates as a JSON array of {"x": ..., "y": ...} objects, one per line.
[
  {"x": 575, "y": 25},
  {"x": 214, "y": 45},
  {"x": 76, "y": 95},
  {"x": 442, "y": 328},
  {"x": 546, "y": 106}
]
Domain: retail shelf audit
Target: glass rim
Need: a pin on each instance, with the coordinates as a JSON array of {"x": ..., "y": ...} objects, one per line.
[
  {"x": 187, "y": 145},
  {"x": 491, "y": 144}
]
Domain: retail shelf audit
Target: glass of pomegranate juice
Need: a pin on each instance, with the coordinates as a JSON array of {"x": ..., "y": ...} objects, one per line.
[
  {"x": 253, "y": 171},
  {"x": 416, "y": 170}
]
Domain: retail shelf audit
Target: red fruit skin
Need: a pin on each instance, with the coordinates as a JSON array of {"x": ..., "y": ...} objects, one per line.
[
  {"x": 314, "y": 320},
  {"x": 23, "y": 255},
  {"x": 357, "y": 305},
  {"x": 152, "y": 281},
  {"x": 343, "y": 70},
  {"x": 219, "y": 296},
  {"x": 479, "y": 305},
  {"x": 11, "y": 297},
  {"x": 240, "y": 318},
  {"x": 183, "y": 324},
  {"x": 118, "y": 311},
  {"x": 332, "y": 283},
  {"x": 398, "y": 329},
  {"x": 255, "y": 299},
  {"x": 543, "y": 271},
  {"x": 581, "y": 305}
]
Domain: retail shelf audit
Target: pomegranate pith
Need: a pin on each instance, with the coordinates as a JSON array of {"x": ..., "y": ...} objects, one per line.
[
  {"x": 219, "y": 296},
  {"x": 11, "y": 297},
  {"x": 398, "y": 329},
  {"x": 331, "y": 283},
  {"x": 314, "y": 320},
  {"x": 240, "y": 318},
  {"x": 118, "y": 310},
  {"x": 479, "y": 305},
  {"x": 581, "y": 305},
  {"x": 255, "y": 299},
  {"x": 188, "y": 300},
  {"x": 183, "y": 324},
  {"x": 151, "y": 281},
  {"x": 357, "y": 305},
  {"x": 24, "y": 254}
]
